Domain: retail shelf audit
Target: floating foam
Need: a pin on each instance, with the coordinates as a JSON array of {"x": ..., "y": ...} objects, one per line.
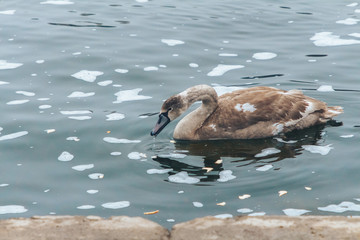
[
  {"x": 13, "y": 135},
  {"x": 3, "y": 83},
  {"x": 357, "y": 35},
  {"x": 198, "y": 204},
  {"x": 96, "y": 176},
  {"x": 40, "y": 61},
  {"x": 172, "y": 42},
  {"x": 257, "y": 214},
  {"x": 83, "y": 167},
  {"x": 119, "y": 70},
  {"x": 158, "y": 171},
  {"x": 76, "y": 139},
  {"x": 25, "y": 93},
  {"x": 12, "y": 209},
  {"x": 45, "y": 106},
  {"x": 323, "y": 150},
  {"x": 326, "y": 39},
  {"x": 352, "y": 4},
  {"x": 136, "y": 155},
  {"x": 6, "y": 65},
  {"x": 183, "y": 177},
  {"x": 295, "y": 212},
  {"x": 80, "y": 118},
  {"x": 78, "y": 94},
  {"x": 151, "y": 68},
  {"x": 118, "y": 140},
  {"x": 244, "y": 210},
  {"x": 129, "y": 95},
  {"x": 221, "y": 69},
  {"x": 88, "y": 76},
  {"x": 347, "y": 136},
  {"x": 194, "y": 65},
  {"x": 342, "y": 207},
  {"x": 65, "y": 157},
  {"x": 141, "y": 1},
  {"x": 57, "y": 2},
  {"x": 92, "y": 191},
  {"x": 228, "y": 55},
  {"x": 116, "y": 205},
  {"x": 115, "y": 116},
  {"x": 325, "y": 88},
  {"x": 267, "y": 151},
  {"x": 265, "y": 168},
  {"x": 173, "y": 155},
  {"x": 264, "y": 55},
  {"x": 115, "y": 153},
  {"x": 226, "y": 175},
  {"x": 223, "y": 216},
  {"x": 348, "y": 21},
  {"x": 75, "y": 112},
  {"x": 17, "y": 102},
  {"x": 105, "y": 83},
  {"x": 8, "y": 12},
  {"x": 84, "y": 207}
]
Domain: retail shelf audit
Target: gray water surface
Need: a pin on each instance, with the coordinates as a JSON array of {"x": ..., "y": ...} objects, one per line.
[{"x": 80, "y": 83}]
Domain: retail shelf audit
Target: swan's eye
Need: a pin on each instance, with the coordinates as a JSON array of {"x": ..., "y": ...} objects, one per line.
[{"x": 170, "y": 109}]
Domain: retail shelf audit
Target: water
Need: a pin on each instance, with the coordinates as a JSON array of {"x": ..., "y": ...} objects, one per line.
[{"x": 80, "y": 82}]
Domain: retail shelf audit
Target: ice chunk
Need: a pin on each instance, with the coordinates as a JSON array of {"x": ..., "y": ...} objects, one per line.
[
  {"x": 129, "y": 95},
  {"x": 257, "y": 214},
  {"x": 326, "y": 39},
  {"x": 221, "y": 69},
  {"x": 65, "y": 157},
  {"x": 325, "y": 88},
  {"x": 244, "y": 210},
  {"x": 78, "y": 94},
  {"x": 158, "y": 171},
  {"x": 183, "y": 177},
  {"x": 323, "y": 150},
  {"x": 6, "y": 65},
  {"x": 264, "y": 55},
  {"x": 136, "y": 155},
  {"x": 88, "y": 76},
  {"x": 13, "y": 135},
  {"x": 295, "y": 212},
  {"x": 92, "y": 191},
  {"x": 7, "y": 209},
  {"x": 115, "y": 116},
  {"x": 198, "y": 204},
  {"x": 151, "y": 68},
  {"x": 80, "y": 118},
  {"x": 83, "y": 167},
  {"x": 348, "y": 21},
  {"x": 342, "y": 207},
  {"x": 121, "y": 70},
  {"x": 118, "y": 140},
  {"x": 116, "y": 205},
  {"x": 265, "y": 168},
  {"x": 45, "y": 106},
  {"x": 75, "y": 112},
  {"x": 226, "y": 175},
  {"x": 105, "y": 83},
  {"x": 223, "y": 216}
]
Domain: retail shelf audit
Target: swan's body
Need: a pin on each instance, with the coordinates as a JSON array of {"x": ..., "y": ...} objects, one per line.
[{"x": 257, "y": 112}]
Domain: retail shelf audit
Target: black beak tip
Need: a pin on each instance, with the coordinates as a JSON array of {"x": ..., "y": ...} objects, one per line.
[{"x": 152, "y": 134}]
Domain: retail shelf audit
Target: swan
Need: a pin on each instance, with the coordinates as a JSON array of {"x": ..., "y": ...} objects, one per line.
[{"x": 251, "y": 113}]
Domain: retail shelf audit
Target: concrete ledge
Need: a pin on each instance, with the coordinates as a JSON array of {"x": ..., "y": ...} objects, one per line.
[{"x": 122, "y": 227}]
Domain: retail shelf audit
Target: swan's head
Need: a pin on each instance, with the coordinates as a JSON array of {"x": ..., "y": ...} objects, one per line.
[{"x": 170, "y": 110}]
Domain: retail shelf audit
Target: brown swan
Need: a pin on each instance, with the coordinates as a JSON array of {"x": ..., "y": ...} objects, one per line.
[{"x": 256, "y": 112}]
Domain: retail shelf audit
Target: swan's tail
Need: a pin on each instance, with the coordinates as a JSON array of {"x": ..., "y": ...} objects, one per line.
[{"x": 333, "y": 111}]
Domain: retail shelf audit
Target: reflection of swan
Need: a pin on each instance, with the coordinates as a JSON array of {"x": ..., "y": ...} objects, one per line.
[
  {"x": 241, "y": 152},
  {"x": 250, "y": 113}
]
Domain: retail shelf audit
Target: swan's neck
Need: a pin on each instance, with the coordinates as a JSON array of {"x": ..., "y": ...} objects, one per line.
[{"x": 187, "y": 127}]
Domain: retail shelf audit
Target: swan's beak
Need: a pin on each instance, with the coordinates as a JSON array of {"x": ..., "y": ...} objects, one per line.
[{"x": 161, "y": 124}]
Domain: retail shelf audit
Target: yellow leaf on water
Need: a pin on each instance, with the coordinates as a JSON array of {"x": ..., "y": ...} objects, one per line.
[
  {"x": 282, "y": 192},
  {"x": 219, "y": 161},
  {"x": 308, "y": 188},
  {"x": 150, "y": 213},
  {"x": 221, "y": 204}
]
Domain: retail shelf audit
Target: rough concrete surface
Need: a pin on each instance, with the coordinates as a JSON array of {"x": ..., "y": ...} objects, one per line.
[{"x": 209, "y": 228}]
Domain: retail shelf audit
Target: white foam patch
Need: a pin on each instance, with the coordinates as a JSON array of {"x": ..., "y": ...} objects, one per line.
[
  {"x": 183, "y": 177},
  {"x": 116, "y": 205},
  {"x": 172, "y": 42},
  {"x": 151, "y": 68},
  {"x": 7, "y": 209},
  {"x": 347, "y": 136},
  {"x": 342, "y": 207},
  {"x": 92, "y": 191},
  {"x": 119, "y": 140},
  {"x": 13, "y": 135},
  {"x": 45, "y": 106},
  {"x": 221, "y": 69},
  {"x": 224, "y": 216},
  {"x": 141, "y": 1},
  {"x": 17, "y": 102},
  {"x": 4, "y": 185},
  {"x": 348, "y": 21},
  {"x": 357, "y": 35},
  {"x": 323, "y": 150},
  {"x": 78, "y": 94},
  {"x": 264, "y": 55},
  {"x": 267, "y": 151},
  {"x": 352, "y": 4},
  {"x": 136, "y": 155},
  {"x": 88, "y": 76},
  {"x": 119, "y": 70},
  {"x": 83, "y": 167},
  {"x": 115, "y": 153},
  {"x": 3, "y": 82},
  {"x": 40, "y": 61},
  {"x": 158, "y": 171},
  {"x": 194, "y": 65},
  {"x": 8, "y": 12},
  {"x": 325, "y": 88},
  {"x": 115, "y": 116},
  {"x": 226, "y": 175},
  {"x": 85, "y": 207},
  {"x": 198, "y": 204},
  {"x": 75, "y": 112},
  {"x": 7, "y": 65},
  {"x": 265, "y": 168},
  {"x": 96, "y": 176},
  {"x": 80, "y": 118},
  {"x": 295, "y": 212},
  {"x": 257, "y": 214},
  {"x": 220, "y": 90},
  {"x": 173, "y": 155},
  {"x": 228, "y": 55},
  {"x": 129, "y": 95},
  {"x": 105, "y": 83},
  {"x": 25, "y": 93},
  {"x": 244, "y": 210},
  {"x": 57, "y": 2},
  {"x": 65, "y": 157},
  {"x": 76, "y": 139},
  {"x": 327, "y": 39}
]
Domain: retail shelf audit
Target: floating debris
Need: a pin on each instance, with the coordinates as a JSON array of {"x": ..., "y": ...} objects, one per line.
[
  {"x": 151, "y": 213},
  {"x": 219, "y": 161},
  {"x": 221, "y": 204},
  {"x": 308, "y": 188},
  {"x": 282, "y": 193},
  {"x": 50, "y": 130},
  {"x": 245, "y": 196},
  {"x": 208, "y": 169}
]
